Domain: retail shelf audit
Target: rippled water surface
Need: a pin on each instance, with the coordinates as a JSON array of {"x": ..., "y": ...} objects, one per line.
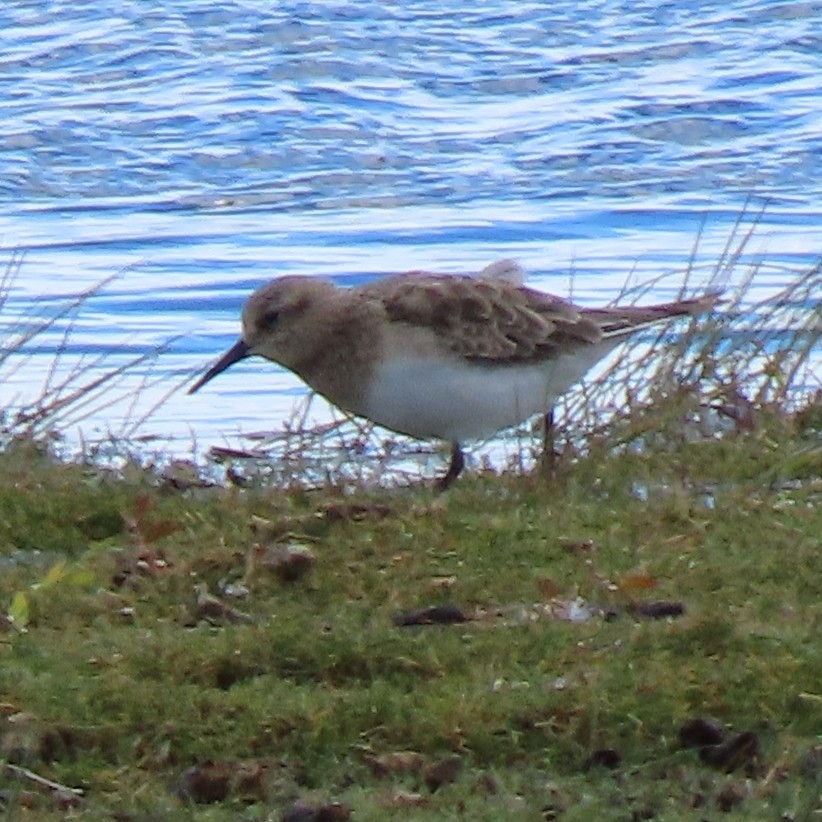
[{"x": 200, "y": 148}]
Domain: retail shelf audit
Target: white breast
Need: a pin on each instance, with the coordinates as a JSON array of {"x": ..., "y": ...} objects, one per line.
[{"x": 456, "y": 400}]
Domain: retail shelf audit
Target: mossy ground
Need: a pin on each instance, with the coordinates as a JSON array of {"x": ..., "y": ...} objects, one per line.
[{"x": 112, "y": 680}]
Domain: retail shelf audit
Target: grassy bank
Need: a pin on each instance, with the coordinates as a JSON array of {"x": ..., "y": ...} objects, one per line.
[
  {"x": 636, "y": 637},
  {"x": 227, "y": 653}
]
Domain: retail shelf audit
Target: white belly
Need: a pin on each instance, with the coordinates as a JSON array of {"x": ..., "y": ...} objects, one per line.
[{"x": 458, "y": 401}]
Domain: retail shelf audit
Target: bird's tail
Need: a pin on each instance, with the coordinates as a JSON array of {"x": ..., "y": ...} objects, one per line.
[{"x": 620, "y": 321}]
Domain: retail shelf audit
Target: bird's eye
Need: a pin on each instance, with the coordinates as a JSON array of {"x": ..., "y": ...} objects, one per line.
[{"x": 269, "y": 319}]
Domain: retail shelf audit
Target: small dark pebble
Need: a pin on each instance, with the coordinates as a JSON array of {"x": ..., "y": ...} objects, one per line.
[
  {"x": 432, "y": 615},
  {"x": 289, "y": 563},
  {"x": 740, "y": 751},
  {"x": 443, "y": 772},
  {"x": 604, "y": 758},
  {"x": 217, "y": 780},
  {"x": 657, "y": 609},
  {"x": 334, "y": 812},
  {"x": 729, "y": 797},
  {"x": 701, "y": 731},
  {"x": 205, "y": 783}
]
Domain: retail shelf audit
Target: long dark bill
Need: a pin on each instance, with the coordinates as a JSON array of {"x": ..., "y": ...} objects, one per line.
[{"x": 237, "y": 352}]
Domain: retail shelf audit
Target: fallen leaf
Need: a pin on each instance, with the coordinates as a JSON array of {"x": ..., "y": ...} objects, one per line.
[
  {"x": 699, "y": 731},
  {"x": 432, "y": 615},
  {"x": 604, "y": 758},
  {"x": 637, "y": 582},
  {"x": 287, "y": 562},
  {"x": 205, "y": 783},
  {"x": 19, "y": 611},
  {"x": 738, "y": 752},
  {"x": 214, "y": 781},
  {"x": 548, "y": 588},
  {"x": 154, "y": 531},
  {"x": 730, "y": 796},
  {"x": 54, "y": 575}
]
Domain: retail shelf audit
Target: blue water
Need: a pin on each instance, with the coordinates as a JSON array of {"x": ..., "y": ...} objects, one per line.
[{"x": 201, "y": 148}]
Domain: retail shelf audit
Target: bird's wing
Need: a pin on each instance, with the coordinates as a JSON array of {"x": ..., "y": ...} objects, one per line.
[{"x": 490, "y": 320}]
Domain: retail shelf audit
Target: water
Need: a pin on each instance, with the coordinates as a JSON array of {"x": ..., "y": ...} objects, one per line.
[{"x": 201, "y": 148}]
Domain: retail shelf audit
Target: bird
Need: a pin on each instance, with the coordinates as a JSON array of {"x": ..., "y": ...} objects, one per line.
[{"x": 449, "y": 356}]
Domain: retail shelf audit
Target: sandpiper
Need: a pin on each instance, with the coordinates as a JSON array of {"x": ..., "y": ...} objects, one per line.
[{"x": 454, "y": 357}]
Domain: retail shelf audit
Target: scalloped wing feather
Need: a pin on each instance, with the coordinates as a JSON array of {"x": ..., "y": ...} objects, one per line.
[{"x": 485, "y": 319}]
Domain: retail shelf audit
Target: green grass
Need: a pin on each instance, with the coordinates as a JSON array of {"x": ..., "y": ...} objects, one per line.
[
  {"x": 110, "y": 683},
  {"x": 691, "y": 475}
]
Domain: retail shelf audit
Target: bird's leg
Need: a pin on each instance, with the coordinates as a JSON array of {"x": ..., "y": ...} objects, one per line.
[
  {"x": 454, "y": 469},
  {"x": 549, "y": 455}
]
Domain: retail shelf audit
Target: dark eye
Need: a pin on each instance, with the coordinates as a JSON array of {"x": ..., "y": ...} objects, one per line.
[{"x": 269, "y": 319}]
